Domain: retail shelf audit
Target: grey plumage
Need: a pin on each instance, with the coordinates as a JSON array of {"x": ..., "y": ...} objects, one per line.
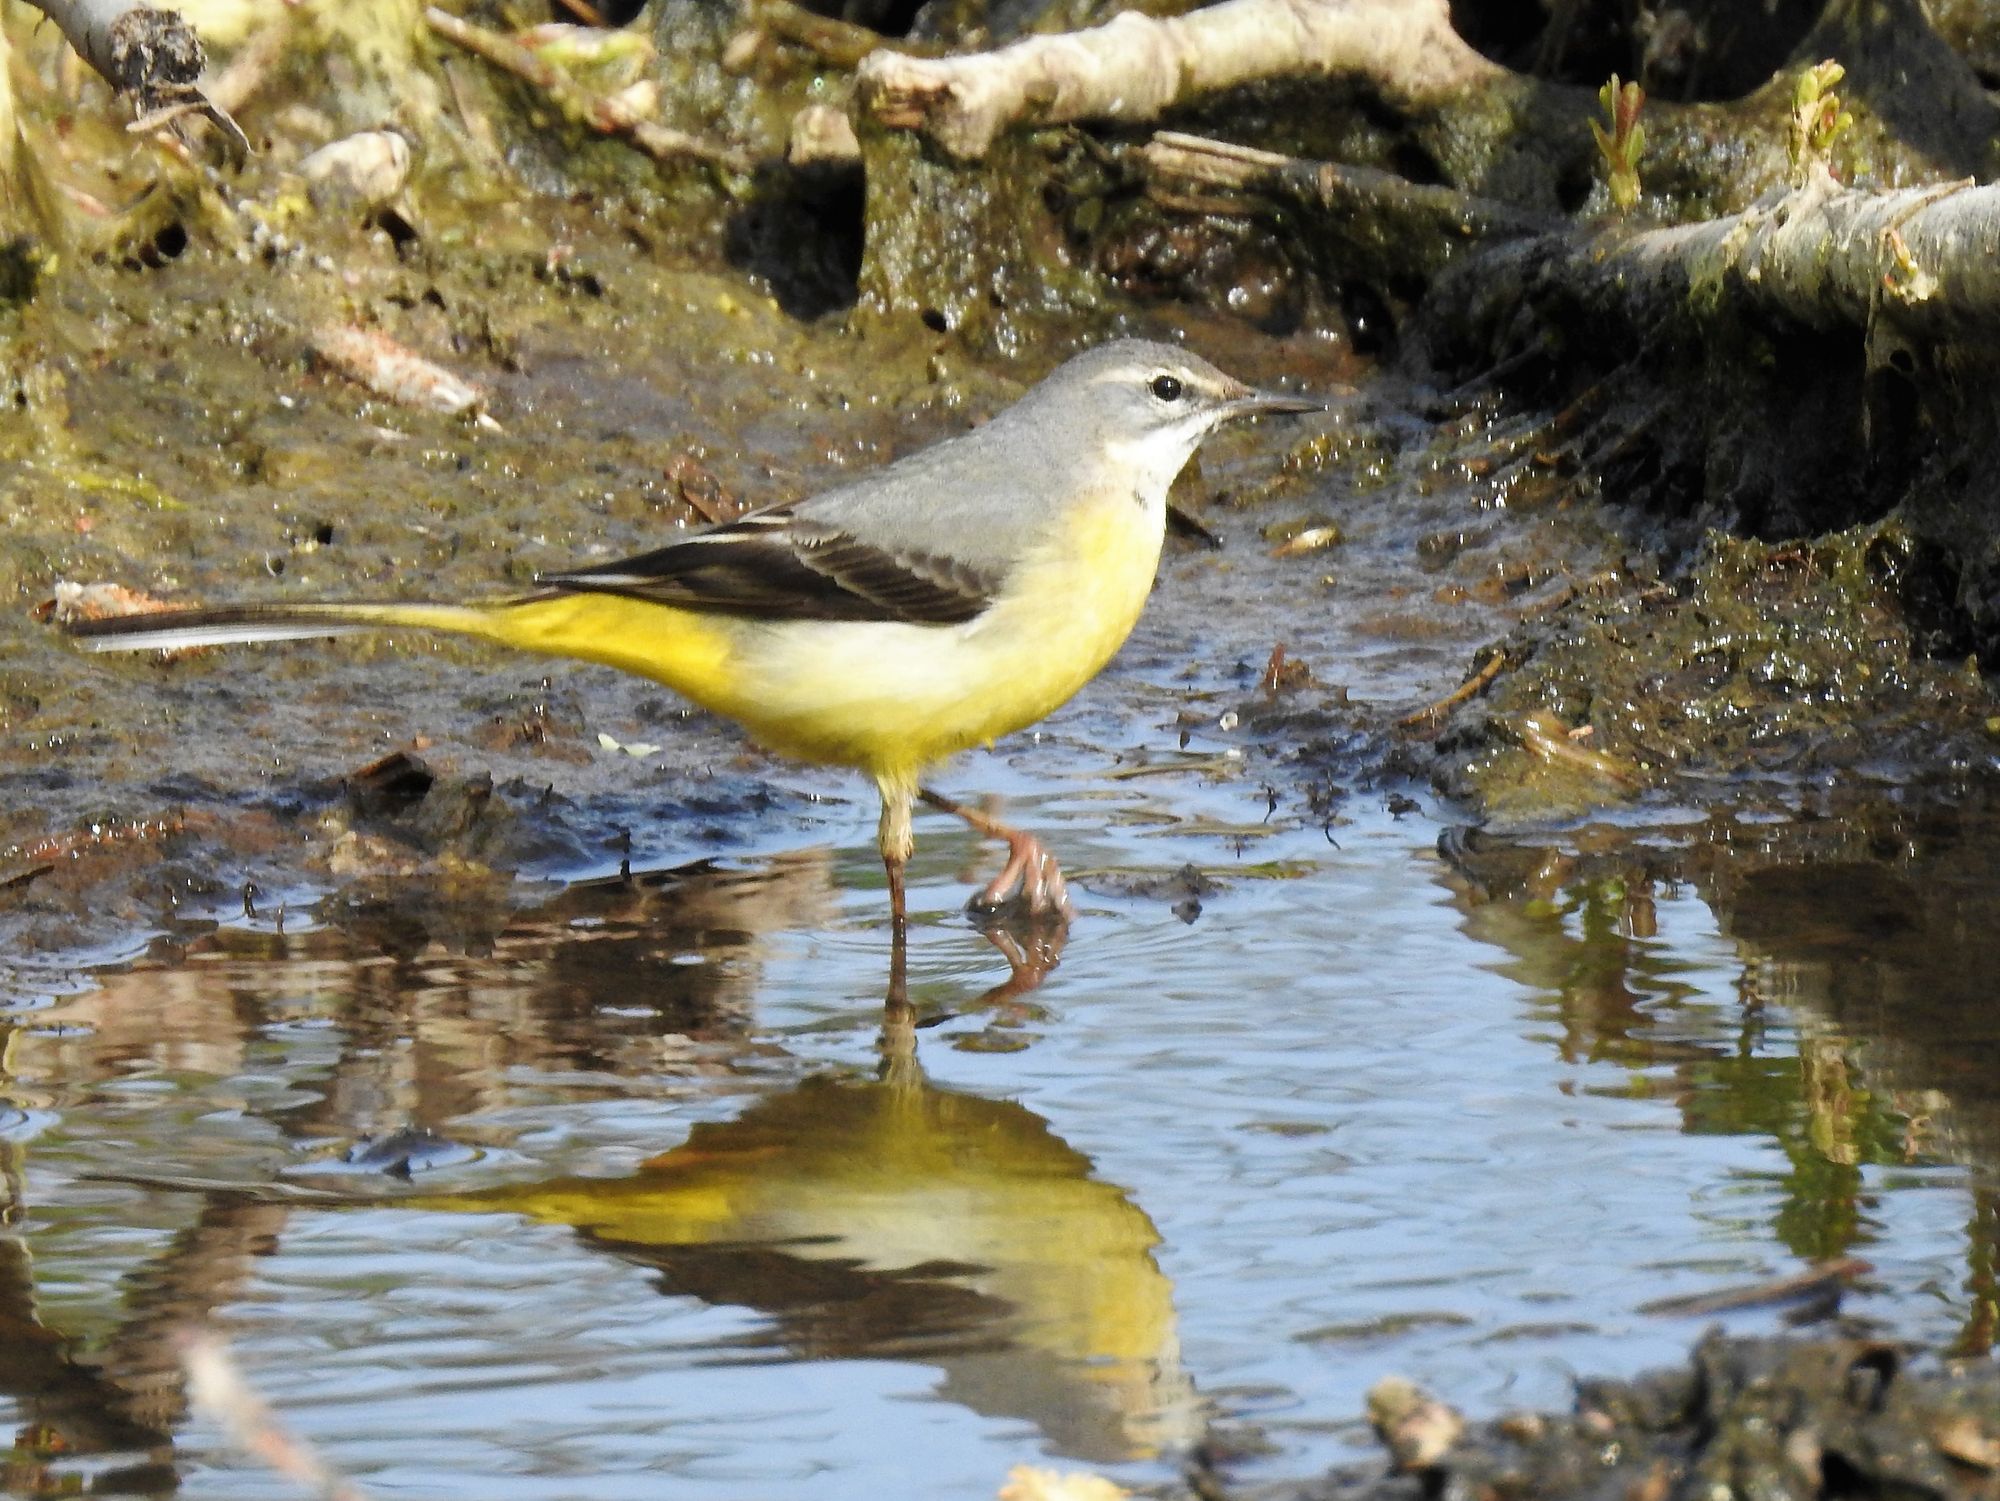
[
  {"x": 971, "y": 499},
  {"x": 931, "y": 538}
]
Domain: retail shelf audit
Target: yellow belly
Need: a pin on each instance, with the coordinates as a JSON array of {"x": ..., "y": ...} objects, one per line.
[
  {"x": 889, "y": 698},
  {"x": 894, "y": 699}
]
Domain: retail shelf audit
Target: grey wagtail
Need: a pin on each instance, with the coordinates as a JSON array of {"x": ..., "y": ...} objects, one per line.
[{"x": 953, "y": 596}]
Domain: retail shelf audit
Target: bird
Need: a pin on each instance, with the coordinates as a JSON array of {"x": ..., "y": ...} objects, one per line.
[{"x": 952, "y": 596}]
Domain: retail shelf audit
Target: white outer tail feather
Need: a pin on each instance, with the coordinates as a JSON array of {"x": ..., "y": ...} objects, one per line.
[
  {"x": 223, "y": 625},
  {"x": 169, "y": 637}
]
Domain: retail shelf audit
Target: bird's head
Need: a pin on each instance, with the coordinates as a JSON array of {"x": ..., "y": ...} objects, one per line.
[{"x": 1145, "y": 407}]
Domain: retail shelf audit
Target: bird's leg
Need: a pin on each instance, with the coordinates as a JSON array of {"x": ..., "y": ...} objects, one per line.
[
  {"x": 895, "y": 839},
  {"x": 898, "y": 1040},
  {"x": 1031, "y": 871},
  {"x": 899, "y": 917}
]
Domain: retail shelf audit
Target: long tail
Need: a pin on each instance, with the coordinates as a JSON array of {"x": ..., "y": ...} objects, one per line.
[{"x": 220, "y": 625}]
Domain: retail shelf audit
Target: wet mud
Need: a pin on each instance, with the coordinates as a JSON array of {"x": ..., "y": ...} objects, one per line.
[
  {"x": 147, "y": 791},
  {"x": 1794, "y": 660}
]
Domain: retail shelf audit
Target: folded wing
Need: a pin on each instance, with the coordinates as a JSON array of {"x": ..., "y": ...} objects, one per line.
[{"x": 777, "y": 565}]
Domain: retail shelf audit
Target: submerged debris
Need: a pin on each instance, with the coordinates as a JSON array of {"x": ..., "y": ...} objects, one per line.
[
  {"x": 373, "y": 359},
  {"x": 1817, "y": 1285},
  {"x": 1776, "y": 1417},
  {"x": 1302, "y": 535}
]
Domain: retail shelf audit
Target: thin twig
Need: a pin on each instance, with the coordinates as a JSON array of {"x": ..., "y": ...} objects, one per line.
[
  {"x": 1470, "y": 688},
  {"x": 600, "y": 114}
]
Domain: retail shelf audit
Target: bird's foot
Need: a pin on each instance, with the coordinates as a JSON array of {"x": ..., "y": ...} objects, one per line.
[{"x": 1030, "y": 882}]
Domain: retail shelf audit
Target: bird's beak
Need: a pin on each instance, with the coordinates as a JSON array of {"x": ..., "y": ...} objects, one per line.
[{"x": 1271, "y": 404}]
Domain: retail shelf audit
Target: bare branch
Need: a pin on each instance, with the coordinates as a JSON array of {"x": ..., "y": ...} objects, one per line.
[
  {"x": 1134, "y": 67},
  {"x": 151, "y": 56},
  {"x": 1827, "y": 257}
]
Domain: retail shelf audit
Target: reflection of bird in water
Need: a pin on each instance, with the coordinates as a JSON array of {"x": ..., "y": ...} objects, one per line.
[{"x": 894, "y": 1219}]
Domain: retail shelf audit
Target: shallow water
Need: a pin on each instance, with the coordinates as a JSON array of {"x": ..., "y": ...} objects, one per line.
[{"x": 690, "y": 1210}]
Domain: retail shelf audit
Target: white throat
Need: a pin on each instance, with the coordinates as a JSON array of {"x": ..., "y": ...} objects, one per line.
[{"x": 1155, "y": 458}]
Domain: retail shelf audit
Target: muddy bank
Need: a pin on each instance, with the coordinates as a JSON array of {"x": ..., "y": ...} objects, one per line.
[
  {"x": 1760, "y": 661},
  {"x": 223, "y": 461},
  {"x": 189, "y": 422}
]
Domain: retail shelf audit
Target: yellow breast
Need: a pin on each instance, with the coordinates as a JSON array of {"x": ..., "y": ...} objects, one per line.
[{"x": 895, "y": 699}]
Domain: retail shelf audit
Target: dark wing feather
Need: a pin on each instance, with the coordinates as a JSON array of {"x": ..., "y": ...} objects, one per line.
[{"x": 774, "y": 565}]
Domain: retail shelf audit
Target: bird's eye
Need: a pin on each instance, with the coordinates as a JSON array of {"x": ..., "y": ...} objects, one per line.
[{"x": 1166, "y": 387}]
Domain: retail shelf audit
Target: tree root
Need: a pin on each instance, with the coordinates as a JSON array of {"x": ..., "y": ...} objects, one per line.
[
  {"x": 837, "y": 43},
  {"x": 1430, "y": 224},
  {"x": 1134, "y": 67},
  {"x": 1824, "y": 256}
]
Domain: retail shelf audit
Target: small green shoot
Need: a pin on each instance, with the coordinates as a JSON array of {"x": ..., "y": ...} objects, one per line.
[
  {"x": 1817, "y": 118},
  {"x": 1621, "y": 144}
]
